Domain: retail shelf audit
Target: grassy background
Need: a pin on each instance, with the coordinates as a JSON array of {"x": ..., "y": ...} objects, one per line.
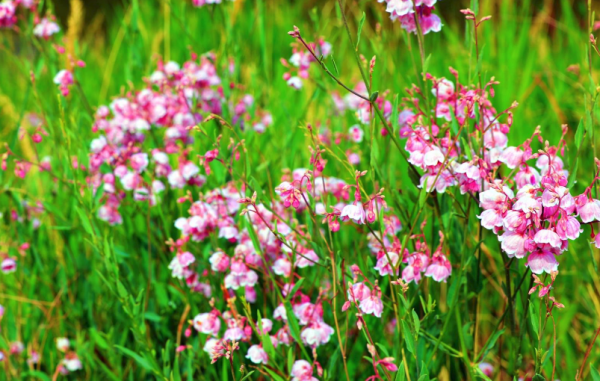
[{"x": 68, "y": 284}]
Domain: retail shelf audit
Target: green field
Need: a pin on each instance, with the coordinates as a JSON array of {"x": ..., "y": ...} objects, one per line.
[{"x": 126, "y": 302}]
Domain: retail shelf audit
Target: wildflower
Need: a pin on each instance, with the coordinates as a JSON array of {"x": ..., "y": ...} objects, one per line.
[
  {"x": 7, "y": 14},
  {"x": 71, "y": 362},
  {"x": 257, "y": 355},
  {"x": 486, "y": 368},
  {"x": 180, "y": 263},
  {"x": 64, "y": 79},
  {"x": 208, "y": 323},
  {"x": 46, "y": 28},
  {"x": 62, "y": 343},
  {"x": 302, "y": 371},
  {"x": 8, "y": 265},
  {"x": 541, "y": 261},
  {"x": 16, "y": 348},
  {"x": 388, "y": 364},
  {"x": 372, "y": 304}
]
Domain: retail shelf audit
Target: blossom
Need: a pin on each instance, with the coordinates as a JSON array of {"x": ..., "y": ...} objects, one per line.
[
  {"x": 8, "y": 265},
  {"x": 208, "y": 323},
  {"x": 62, "y": 343},
  {"x": 542, "y": 261},
  {"x": 180, "y": 263},
  {"x": 71, "y": 362},
  {"x": 372, "y": 305},
  {"x": 354, "y": 212},
  {"x": 64, "y": 79},
  {"x": 257, "y": 355},
  {"x": 46, "y": 28},
  {"x": 302, "y": 371}
]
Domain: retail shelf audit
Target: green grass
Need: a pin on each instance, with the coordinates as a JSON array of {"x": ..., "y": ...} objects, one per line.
[{"x": 88, "y": 281}]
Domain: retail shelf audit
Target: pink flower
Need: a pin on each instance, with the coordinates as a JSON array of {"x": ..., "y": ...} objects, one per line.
[
  {"x": 388, "y": 363},
  {"x": 208, "y": 323},
  {"x": 302, "y": 371},
  {"x": 282, "y": 267},
  {"x": 597, "y": 241},
  {"x": 64, "y": 79},
  {"x": 46, "y": 28},
  {"x": 491, "y": 218},
  {"x": 316, "y": 333},
  {"x": 354, "y": 212},
  {"x": 358, "y": 292},
  {"x": 139, "y": 162},
  {"x": 8, "y": 265},
  {"x": 486, "y": 368},
  {"x": 179, "y": 264},
  {"x": 541, "y": 261},
  {"x": 372, "y": 305},
  {"x": 356, "y": 134},
  {"x": 512, "y": 157},
  {"x": 513, "y": 244},
  {"x": 568, "y": 228},
  {"x": 295, "y": 82},
  {"x": 439, "y": 269},
  {"x": 547, "y": 236},
  {"x": 7, "y": 14},
  {"x": 219, "y": 261},
  {"x": 588, "y": 209},
  {"x": 257, "y": 355}
]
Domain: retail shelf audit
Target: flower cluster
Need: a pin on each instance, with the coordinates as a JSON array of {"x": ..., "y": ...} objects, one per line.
[
  {"x": 44, "y": 27},
  {"x": 540, "y": 219},
  {"x": 302, "y": 58},
  {"x": 433, "y": 135},
  {"x": 414, "y": 15},
  {"x": 239, "y": 329},
  {"x": 71, "y": 361},
  {"x": 146, "y": 135}
]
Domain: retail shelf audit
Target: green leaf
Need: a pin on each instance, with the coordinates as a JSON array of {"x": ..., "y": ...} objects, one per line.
[
  {"x": 85, "y": 221},
  {"x": 253, "y": 236},
  {"x": 579, "y": 134},
  {"x": 274, "y": 375},
  {"x": 595, "y": 373},
  {"x": 400, "y": 375},
  {"x": 538, "y": 377},
  {"x": 246, "y": 376},
  {"x": 292, "y": 321},
  {"x": 290, "y": 359},
  {"x": 408, "y": 337},
  {"x": 492, "y": 341},
  {"x": 395, "y": 124},
  {"x": 139, "y": 359},
  {"x": 295, "y": 289},
  {"x": 426, "y": 63},
  {"x": 152, "y": 316},
  {"x": 360, "y": 26},
  {"x": 417, "y": 321},
  {"x": 533, "y": 318}
]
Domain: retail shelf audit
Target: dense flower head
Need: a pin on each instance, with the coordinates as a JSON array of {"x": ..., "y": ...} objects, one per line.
[{"x": 541, "y": 218}]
